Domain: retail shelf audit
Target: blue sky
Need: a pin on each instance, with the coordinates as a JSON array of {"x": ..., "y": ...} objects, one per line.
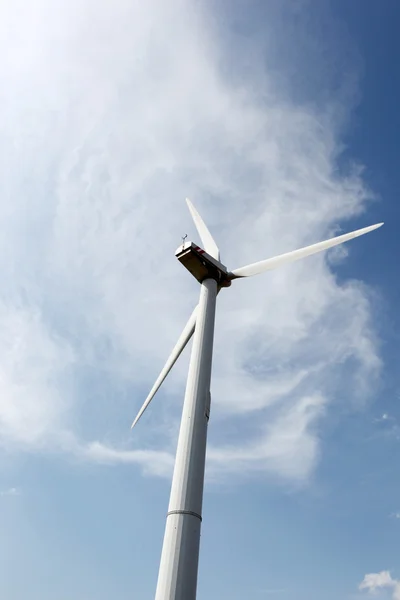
[{"x": 281, "y": 123}]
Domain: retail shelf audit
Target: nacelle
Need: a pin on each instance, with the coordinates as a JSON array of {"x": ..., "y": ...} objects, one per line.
[{"x": 201, "y": 265}]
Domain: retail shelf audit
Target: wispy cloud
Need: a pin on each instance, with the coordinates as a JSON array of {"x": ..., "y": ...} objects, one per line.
[
  {"x": 384, "y": 418},
  {"x": 153, "y": 462},
  {"x": 388, "y": 427},
  {"x": 100, "y": 144},
  {"x": 374, "y": 582},
  {"x": 12, "y": 491}
]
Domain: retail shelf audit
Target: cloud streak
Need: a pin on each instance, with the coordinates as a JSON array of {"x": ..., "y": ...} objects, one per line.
[
  {"x": 12, "y": 491},
  {"x": 111, "y": 118}
]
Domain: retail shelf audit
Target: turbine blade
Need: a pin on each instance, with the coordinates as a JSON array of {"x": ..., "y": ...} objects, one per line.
[
  {"x": 282, "y": 259},
  {"x": 173, "y": 357},
  {"x": 207, "y": 239}
]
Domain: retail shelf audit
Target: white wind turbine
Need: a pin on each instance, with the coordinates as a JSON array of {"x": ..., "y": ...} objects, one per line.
[{"x": 177, "y": 577}]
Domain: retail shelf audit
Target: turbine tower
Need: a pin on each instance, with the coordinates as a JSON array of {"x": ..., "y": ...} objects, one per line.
[{"x": 177, "y": 577}]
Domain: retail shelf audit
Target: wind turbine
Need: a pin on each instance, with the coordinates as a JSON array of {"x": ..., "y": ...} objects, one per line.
[{"x": 177, "y": 577}]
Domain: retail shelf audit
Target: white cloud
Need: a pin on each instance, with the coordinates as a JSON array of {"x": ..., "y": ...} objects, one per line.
[
  {"x": 287, "y": 447},
  {"x": 34, "y": 399},
  {"x": 374, "y": 582},
  {"x": 110, "y": 117}
]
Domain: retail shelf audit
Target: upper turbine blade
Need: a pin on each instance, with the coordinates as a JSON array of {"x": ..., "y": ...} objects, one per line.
[
  {"x": 208, "y": 241},
  {"x": 180, "y": 345},
  {"x": 282, "y": 259}
]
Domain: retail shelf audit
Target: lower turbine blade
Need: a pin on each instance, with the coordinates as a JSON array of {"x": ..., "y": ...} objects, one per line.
[
  {"x": 176, "y": 352},
  {"x": 283, "y": 259}
]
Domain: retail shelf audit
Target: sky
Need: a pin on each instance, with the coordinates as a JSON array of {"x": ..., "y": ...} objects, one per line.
[{"x": 280, "y": 121}]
